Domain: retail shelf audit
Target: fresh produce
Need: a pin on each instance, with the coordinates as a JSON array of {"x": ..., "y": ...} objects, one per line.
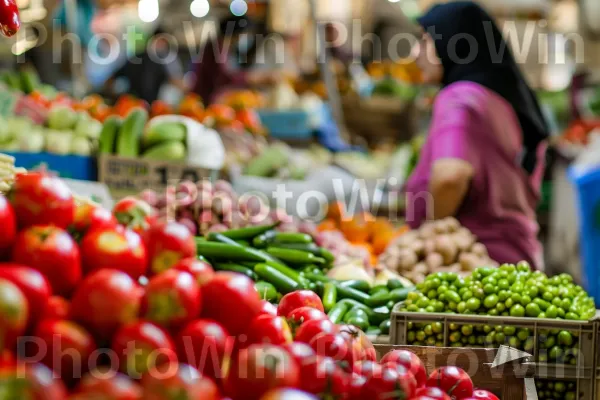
[
  {"x": 556, "y": 389},
  {"x": 8, "y": 226},
  {"x": 14, "y": 312},
  {"x": 440, "y": 246},
  {"x": 186, "y": 382},
  {"x": 128, "y": 140},
  {"x": 106, "y": 383},
  {"x": 510, "y": 290},
  {"x": 453, "y": 381},
  {"x": 168, "y": 243},
  {"x": 33, "y": 285}
]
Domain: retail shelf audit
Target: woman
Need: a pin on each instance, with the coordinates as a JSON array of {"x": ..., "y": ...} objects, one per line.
[
  {"x": 484, "y": 155},
  {"x": 223, "y": 64}
]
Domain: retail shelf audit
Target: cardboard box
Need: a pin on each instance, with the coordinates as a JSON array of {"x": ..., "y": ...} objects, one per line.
[{"x": 127, "y": 176}]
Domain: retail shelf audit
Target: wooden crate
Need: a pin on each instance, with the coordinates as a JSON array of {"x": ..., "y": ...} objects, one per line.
[
  {"x": 507, "y": 381},
  {"x": 378, "y": 120}
]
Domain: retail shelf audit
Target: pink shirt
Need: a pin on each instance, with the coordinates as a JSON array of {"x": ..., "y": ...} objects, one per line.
[{"x": 476, "y": 125}]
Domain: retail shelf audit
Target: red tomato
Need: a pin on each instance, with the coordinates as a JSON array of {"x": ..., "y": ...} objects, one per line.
[
  {"x": 359, "y": 344},
  {"x": 68, "y": 348},
  {"x": 142, "y": 347},
  {"x": 33, "y": 285},
  {"x": 232, "y": 300},
  {"x": 410, "y": 361},
  {"x": 250, "y": 119},
  {"x": 90, "y": 216},
  {"x": 56, "y": 308},
  {"x": 322, "y": 376},
  {"x": 132, "y": 213},
  {"x": 366, "y": 368},
  {"x": 386, "y": 385},
  {"x": 452, "y": 380},
  {"x": 168, "y": 243},
  {"x": 181, "y": 380},
  {"x": 41, "y": 199},
  {"x": 269, "y": 329},
  {"x": 222, "y": 114},
  {"x": 200, "y": 270},
  {"x": 54, "y": 253},
  {"x": 8, "y": 227},
  {"x": 331, "y": 345},
  {"x": 297, "y": 299},
  {"x": 300, "y": 352},
  {"x": 304, "y": 314},
  {"x": 32, "y": 381},
  {"x": 310, "y": 329},
  {"x": 116, "y": 248},
  {"x": 268, "y": 308},
  {"x": 287, "y": 394},
  {"x": 120, "y": 301},
  {"x": 357, "y": 383},
  {"x": 409, "y": 382},
  {"x": 205, "y": 344},
  {"x": 107, "y": 385},
  {"x": 480, "y": 394},
  {"x": 7, "y": 359},
  {"x": 259, "y": 368},
  {"x": 432, "y": 393},
  {"x": 172, "y": 299},
  {"x": 13, "y": 313}
]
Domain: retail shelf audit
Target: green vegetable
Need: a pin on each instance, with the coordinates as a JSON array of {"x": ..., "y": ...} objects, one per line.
[
  {"x": 379, "y": 299},
  {"x": 266, "y": 290},
  {"x": 262, "y": 241},
  {"x": 227, "y": 252},
  {"x": 361, "y": 323},
  {"x": 282, "y": 282},
  {"x": 394, "y": 284},
  {"x": 398, "y": 295},
  {"x": 248, "y": 233},
  {"x": 378, "y": 289},
  {"x": 287, "y": 271},
  {"x": 219, "y": 237},
  {"x": 363, "y": 286},
  {"x": 294, "y": 256},
  {"x": 240, "y": 269},
  {"x": 336, "y": 314},
  {"x": 294, "y": 238},
  {"x": 329, "y": 296},
  {"x": 385, "y": 327},
  {"x": 326, "y": 255},
  {"x": 349, "y": 293},
  {"x": 354, "y": 313}
]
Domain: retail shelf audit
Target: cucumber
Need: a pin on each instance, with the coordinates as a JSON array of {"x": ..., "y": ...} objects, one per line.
[
  {"x": 108, "y": 135},
  {"x": 336, "y": 314},
  {"x": 164, "y": 132},
  {"x": 240, "y": 269},
  {"x": 282, "y": 282},
  {"x": 128, "y": 141},
  {"x": 266, "y": 290}
]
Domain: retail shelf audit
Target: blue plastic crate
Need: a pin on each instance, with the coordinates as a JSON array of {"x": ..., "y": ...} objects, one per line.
[
  {"x": 292, "y": 124},
  {"x": 71, "y": 166},
  {"x": 587, "y": 187}
]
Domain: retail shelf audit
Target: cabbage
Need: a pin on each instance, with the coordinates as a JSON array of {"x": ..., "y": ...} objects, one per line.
[
  {"x": 33, "y": 142},
  {"x": 58, "y": 142},
  {"x": 88, "y": 127},
  {"x": 81, "y": 146},
  {"x": 18, "y": 126},
  {"x": 62, "y": 117}
]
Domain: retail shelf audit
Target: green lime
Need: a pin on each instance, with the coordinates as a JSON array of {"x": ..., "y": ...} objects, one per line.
[
  {"x": 490, "y": 339},
  {"x": 490, "y": 301},
  {"x": 517, "y": 311},
  {"x": 503, "y": 295},
  {"x": 430, "y": 341},
  {"x": 467, "y": 330},
  {"x": 509, "y": 303},
  {"x": 500, "y": 338},
  {"x": 467, "y": 294},
  {"x": 500, "y": 307},
  {"x": 503, "y": 284},
  {"x": 514, "y": 342},
  {"x": 516, "y": 288},
  {"x": 423, "y": 302},
  {"x": 430, "y": 309},
  {"x": 493, "y": 312},
  {"x": 452, "y": 296},
  {"x": 434, "y": 283},
  {"x": 454, "y": 337},
  {"x": 548, "y": 296},
  {"x": 453, "y": 327},
  {"x": 572, "y": 316},
  {"x": 473, "y": 304},
  {"x": 561, "y": 313},
  {"x": 560, "y": 387},
  {"x": 528, "y": 345},
  {"x": 428, "y": 330},
  {"x": 412, "y": 308},
  {"x": 439, "y": 306},
  {"x": 437, "y": 327},
  {"x": 566, "y": 304},
  {"x": 410, "y": 336},
  {"x": 461, "y": 307},
  {"x": 421, "y": 336},
  {"x": 556, "y": 353},
  {"x": 478, "y": 292},
  {"x": 542, "y": 303},
  {"x": 487, "y": 329},
  {"x": 532, "y": 291},
  {"x": 532, "y": 310},
  {"x": 565, "y": 338},
  {"x": 552, "y": 312},
  {"x": 488, "y": 288},
  {"x": 525, "y": 299},
  {"x": 523, "y": 334},
  {"x": 441, "y": 290},
  {"x": 432, "y": 294},
  {"x": 509, "y": 330},
  {"x": 542, "y": 315},
  {"x": 549, "y": 343}
]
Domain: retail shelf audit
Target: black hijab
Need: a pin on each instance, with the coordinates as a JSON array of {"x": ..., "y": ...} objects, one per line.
[{"x": 487, "y": 60}]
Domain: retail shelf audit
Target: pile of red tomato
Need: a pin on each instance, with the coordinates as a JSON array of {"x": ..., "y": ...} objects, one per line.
[{"x": 116, "y": 306}]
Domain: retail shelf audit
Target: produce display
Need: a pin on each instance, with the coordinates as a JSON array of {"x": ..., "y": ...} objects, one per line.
[
  {"x": 66, "y": 132},
  {"x": 7, "y": 172},
  {"x": 439, "y": 246},
  {"x": 282, "y": 262}
]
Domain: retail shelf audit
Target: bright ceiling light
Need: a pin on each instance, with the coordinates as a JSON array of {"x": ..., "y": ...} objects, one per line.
[
  {"x": 199, "y": 8},
  {"x": 148, "y": 10},
  {"x": 238, "y": 7},
  {"x": 393, "y": 1}
]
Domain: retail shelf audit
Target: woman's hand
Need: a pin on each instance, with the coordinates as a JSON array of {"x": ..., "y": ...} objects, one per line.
[{"x": 449, "y": 184}]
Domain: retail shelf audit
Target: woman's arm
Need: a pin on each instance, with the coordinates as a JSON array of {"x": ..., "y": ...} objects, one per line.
[{"x": 449, "y": 184}]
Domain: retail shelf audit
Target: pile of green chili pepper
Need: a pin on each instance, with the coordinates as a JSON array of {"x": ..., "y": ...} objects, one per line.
[{"x": 282, "y": 263}]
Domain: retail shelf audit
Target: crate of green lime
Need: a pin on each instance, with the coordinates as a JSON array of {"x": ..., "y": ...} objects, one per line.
[{"x": 551, "y": 318}]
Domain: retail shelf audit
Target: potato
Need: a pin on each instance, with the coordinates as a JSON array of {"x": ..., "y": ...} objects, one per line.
[
  {"x": 434, "y": 261},
  {"x": 407, "y": 260},
  {"x": 447, "y": 248},
  {"x": 480, "y": 250},
  {"x": 418, "y": 278},
  {"x": 452, "y": 224},
  {"x": 421, "y": 268},
  {"x": 427, "y": 230},
  {"x": 428, "y": 246},
  {"x": 468, "y": 261},
  {"x": 441, "y": 227},
  {"x": 463, "y": 242},
  {"x": 405, "y": 240},
  {"x": 418, "y": 246},
  {"x": 391, "y": 263}
]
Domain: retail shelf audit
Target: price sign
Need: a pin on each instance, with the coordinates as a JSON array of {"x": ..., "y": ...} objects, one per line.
[{"x": 133, "y": 175}]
